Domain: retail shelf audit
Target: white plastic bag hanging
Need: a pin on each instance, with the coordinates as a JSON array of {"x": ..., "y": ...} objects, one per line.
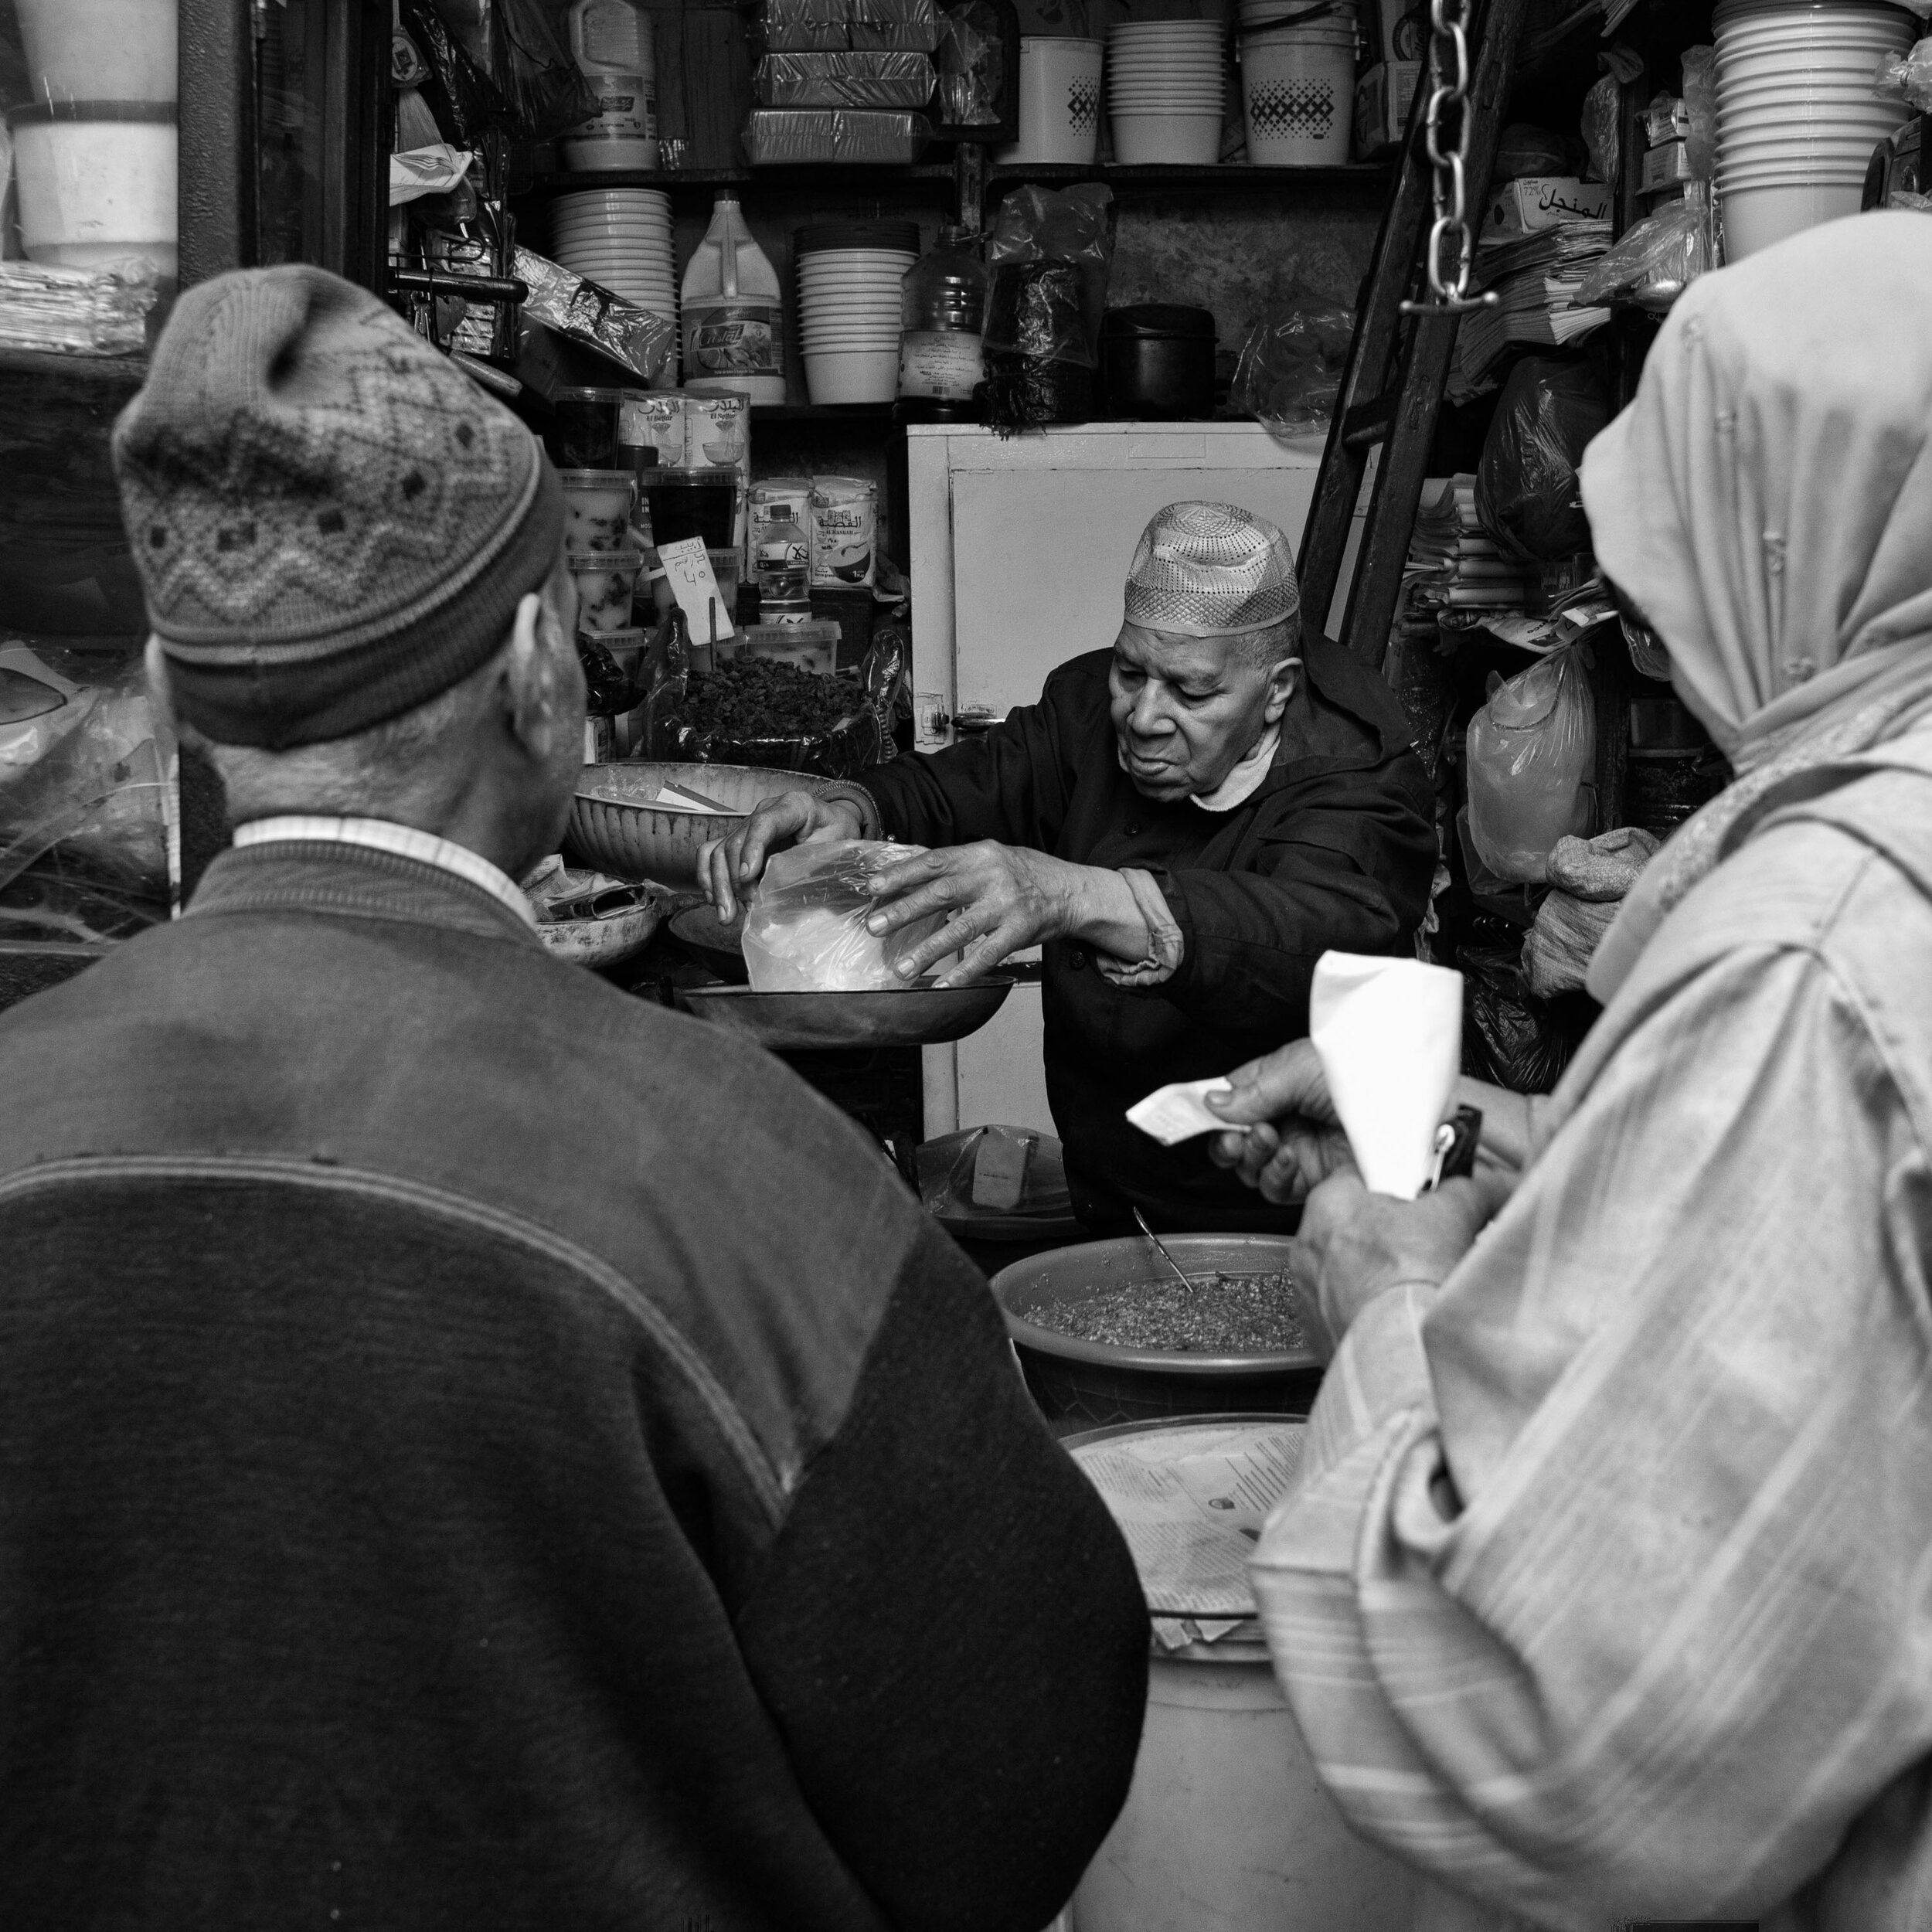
[
  {"x": 1531, "y": 758},
  {"x": 805, "y": 920}
]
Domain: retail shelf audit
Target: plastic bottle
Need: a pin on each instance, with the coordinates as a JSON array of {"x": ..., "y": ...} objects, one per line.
[
  {"x": 942, "y": 311},
  {"x": 734, "y": 336},
  {"x": 614, "y": 44},
  {"x": 781, "y": 544}
]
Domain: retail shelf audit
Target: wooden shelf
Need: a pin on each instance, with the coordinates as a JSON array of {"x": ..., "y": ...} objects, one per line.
[
  {"x": 870, "y": 179},
  {"x": 857, "y": 414}
]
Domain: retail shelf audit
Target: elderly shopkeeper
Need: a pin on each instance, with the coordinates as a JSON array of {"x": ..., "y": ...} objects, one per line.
[{"x": 1187, "y": 822}]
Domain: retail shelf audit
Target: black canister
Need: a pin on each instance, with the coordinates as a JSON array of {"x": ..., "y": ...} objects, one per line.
[{"x": 1157, "y": 362}]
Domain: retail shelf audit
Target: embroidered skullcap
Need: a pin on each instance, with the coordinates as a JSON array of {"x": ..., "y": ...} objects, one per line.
[
  {"x": 1211, "y": 570},
  {"x": 333, "y": 524}
]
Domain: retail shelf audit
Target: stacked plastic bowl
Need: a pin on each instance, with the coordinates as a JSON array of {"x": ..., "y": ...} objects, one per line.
[
  {"x": 1166, "y": 89},
  {"x": 621, "y": 237},
  {"x": 848, "y": 311},
  {"x": 1796, "y": 120}
]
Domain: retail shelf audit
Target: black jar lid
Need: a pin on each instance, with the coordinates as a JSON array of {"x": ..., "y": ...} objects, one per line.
[
  {"x": 1160, "y": 318},
  {"x": 901, "y": 235}
]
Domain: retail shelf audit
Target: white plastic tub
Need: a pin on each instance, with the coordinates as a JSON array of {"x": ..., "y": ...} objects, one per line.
[
  {"x": 92, "y": 191},
  {"x": 1187, "y": 140},
  {"x": 852, "y": 376},
  {"x": 1298, "y": 87},
  {"x": 1757, "y": 217},
  {"x": 100, "y": 49}
]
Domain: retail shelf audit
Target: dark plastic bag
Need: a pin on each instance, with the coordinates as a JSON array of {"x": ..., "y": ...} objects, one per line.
[
  {"x": 548, "y": 93},
  {"x": 1290, "y": 371},
  {"x": 1508, "y": 1037},
  {"x": 1528, "y": 498},
  {"x": 466, "y": 102},
  {"x": 1071, "y": 227}
]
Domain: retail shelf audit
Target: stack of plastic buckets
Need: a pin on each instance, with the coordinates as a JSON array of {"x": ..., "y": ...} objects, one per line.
[
  {"x": 1297, "y": 81},
  {"x": 1796, "y": 119}
]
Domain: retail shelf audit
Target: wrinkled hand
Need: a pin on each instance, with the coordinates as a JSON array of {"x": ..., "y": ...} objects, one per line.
[
  {"x": 1354, "y": 1245},
  {"x": 792, "y": 818},
  {"x": 1294, "y": 1141},
  {"x": 1005, "y": 898}
]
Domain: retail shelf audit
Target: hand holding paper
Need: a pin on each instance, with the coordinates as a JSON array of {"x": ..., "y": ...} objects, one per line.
[{"x": 1388, "y": 1033}]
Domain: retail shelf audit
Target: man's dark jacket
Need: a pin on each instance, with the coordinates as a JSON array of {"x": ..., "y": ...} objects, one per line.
[
  {"x": 1335, "y": 851},
  {"x": 477, "y": 1450}
]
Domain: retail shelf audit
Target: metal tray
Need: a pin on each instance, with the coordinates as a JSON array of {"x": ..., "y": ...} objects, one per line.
[{"x": 920, "y": 1015}]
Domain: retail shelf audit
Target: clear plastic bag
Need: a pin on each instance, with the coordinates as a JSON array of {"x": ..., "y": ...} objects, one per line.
[
  {"x": 1530, "y": 761},
  {"x": 1289, "y": 370},
  {"x": 971, "y": 60},
  {"x": 1909, "y": 78},
  {"x": 1658, "y": 258},
  {"x": 1528, "y": 498},
  {"x": 804, "y": 926},
  {"x": 1071, "y": 229},
  {"x": 844, "y": 80},
  {"x": 1700, "y": 103},
  {"x": 986, "y": 1174},
  {"x": 1601, "y": 116}
]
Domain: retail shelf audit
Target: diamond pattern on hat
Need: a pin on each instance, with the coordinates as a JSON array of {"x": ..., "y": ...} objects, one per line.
[{"x": 1211, "y": 569}]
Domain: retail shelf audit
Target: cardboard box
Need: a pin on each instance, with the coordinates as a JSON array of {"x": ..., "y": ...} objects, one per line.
[
  {"x": 1527, "y": 207},
  {"x": 1382, "y": 99},
  {"x": 1397, "y": 29},
  {"x": 1665, "y": 167}
]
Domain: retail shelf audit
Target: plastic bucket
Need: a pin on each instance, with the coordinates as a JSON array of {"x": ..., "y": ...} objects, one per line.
[
  {"x": 1188, "y": 140},
  {"x": 597, "y": 509},
  {"x": 1298, "y": 87},
  {"x": 1059, "y": 101},
  {"x": 97, "y": 190},
  {"x": 100, "y": 49},
  {"x": 1758, "y": 217},
  {"x": 1226, "y": 1827}
]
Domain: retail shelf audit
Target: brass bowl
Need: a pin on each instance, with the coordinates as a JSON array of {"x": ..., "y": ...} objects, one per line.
[{"x": 615, "y": 827}]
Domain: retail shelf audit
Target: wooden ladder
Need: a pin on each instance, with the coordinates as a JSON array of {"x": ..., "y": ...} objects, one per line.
[{"x": 1398, "y": 365}]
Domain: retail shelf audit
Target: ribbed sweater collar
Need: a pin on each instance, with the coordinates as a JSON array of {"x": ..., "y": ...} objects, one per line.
[{"x": 355, "y": 882}]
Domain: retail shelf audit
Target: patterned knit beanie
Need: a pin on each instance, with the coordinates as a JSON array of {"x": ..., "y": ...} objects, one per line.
[{"x": 332, "y": 522}]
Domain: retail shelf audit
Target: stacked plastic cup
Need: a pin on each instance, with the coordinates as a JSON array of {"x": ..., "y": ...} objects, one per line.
[{"x": 1166, "y": 89}]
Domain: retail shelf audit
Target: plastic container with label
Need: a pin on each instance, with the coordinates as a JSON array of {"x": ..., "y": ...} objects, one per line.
[
  {"x": 808, "y": 647},
  {"x": 781, "y": 538},
  {"x": 734, "y": 338},
  {"x": 844, "y": 531},
  {"x": 615, "y": 46},
  {"x": 942, "y": 307}
]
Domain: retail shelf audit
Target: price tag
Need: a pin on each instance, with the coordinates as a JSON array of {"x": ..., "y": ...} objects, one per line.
[{"x": 687, "y": 570}]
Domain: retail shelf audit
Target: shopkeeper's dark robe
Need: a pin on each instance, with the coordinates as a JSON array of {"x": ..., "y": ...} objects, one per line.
[{"x": 1335, "y": 851}]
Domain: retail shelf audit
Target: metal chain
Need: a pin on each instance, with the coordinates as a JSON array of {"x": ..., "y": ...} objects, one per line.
[{"x": 1449, "y": 88}]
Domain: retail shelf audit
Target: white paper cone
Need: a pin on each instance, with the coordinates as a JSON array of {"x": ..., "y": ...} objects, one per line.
[{"x": 1390, "y": 1034}]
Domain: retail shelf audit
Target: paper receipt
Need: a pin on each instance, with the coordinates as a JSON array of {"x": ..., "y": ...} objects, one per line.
[{"x": 1175, "y": 1113}]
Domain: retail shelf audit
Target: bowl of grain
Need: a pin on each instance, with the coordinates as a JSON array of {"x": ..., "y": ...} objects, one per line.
[{"x": 1107, "y": 1333}]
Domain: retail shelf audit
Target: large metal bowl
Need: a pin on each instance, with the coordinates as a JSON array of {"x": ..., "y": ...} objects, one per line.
[
  {"x": 615, "y": 827},
  {"x": 921, "y": 1016},
  {"x": 608, "y": 941},
  {"x": 1090, "y": 1385}
]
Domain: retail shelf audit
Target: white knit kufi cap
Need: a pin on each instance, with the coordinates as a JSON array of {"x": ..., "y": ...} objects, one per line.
[{"x": 1211, "y": 570}]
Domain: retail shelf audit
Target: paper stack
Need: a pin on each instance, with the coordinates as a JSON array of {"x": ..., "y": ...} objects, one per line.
[
  {"x": 77, "y": 312},
  {"x": 1453, "y": 564},
  {"x": 1535, "y": 278}
]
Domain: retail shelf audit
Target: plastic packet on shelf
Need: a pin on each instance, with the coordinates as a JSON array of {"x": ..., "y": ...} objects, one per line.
[
  {"x": 1650, "y": 266},
  {"x": 434, "y": 170},
  {"x": 990, "y": 1171},
  {"x": 971, "y": 59},
  {"x": 638, "y": 338},
  {"x": 78, "y": 311},
  {"x": 853, "y": 36},
  {"x": 1289, "y": 370},
  {"x": 1908, "y": 78},
  {"x": 776, "y": 136},
  {"x": 779, "y": 16},
  {"x": 805, "y": 929},
  {"x": 844, "y": 80},
  {"x": 1531, "y": 758}
]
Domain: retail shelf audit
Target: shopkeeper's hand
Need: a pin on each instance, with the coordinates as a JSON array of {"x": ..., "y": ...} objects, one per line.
[
  {"x": 1005, "y": 898},
  {"x": 726, "y": 866},
  {"x": 1295, "y": 1140},
  {"x": 1354, "y": 1245}
]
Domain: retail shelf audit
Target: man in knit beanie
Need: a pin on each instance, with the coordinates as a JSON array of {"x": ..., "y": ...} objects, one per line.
[{"x": 476, "y": 1448}]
